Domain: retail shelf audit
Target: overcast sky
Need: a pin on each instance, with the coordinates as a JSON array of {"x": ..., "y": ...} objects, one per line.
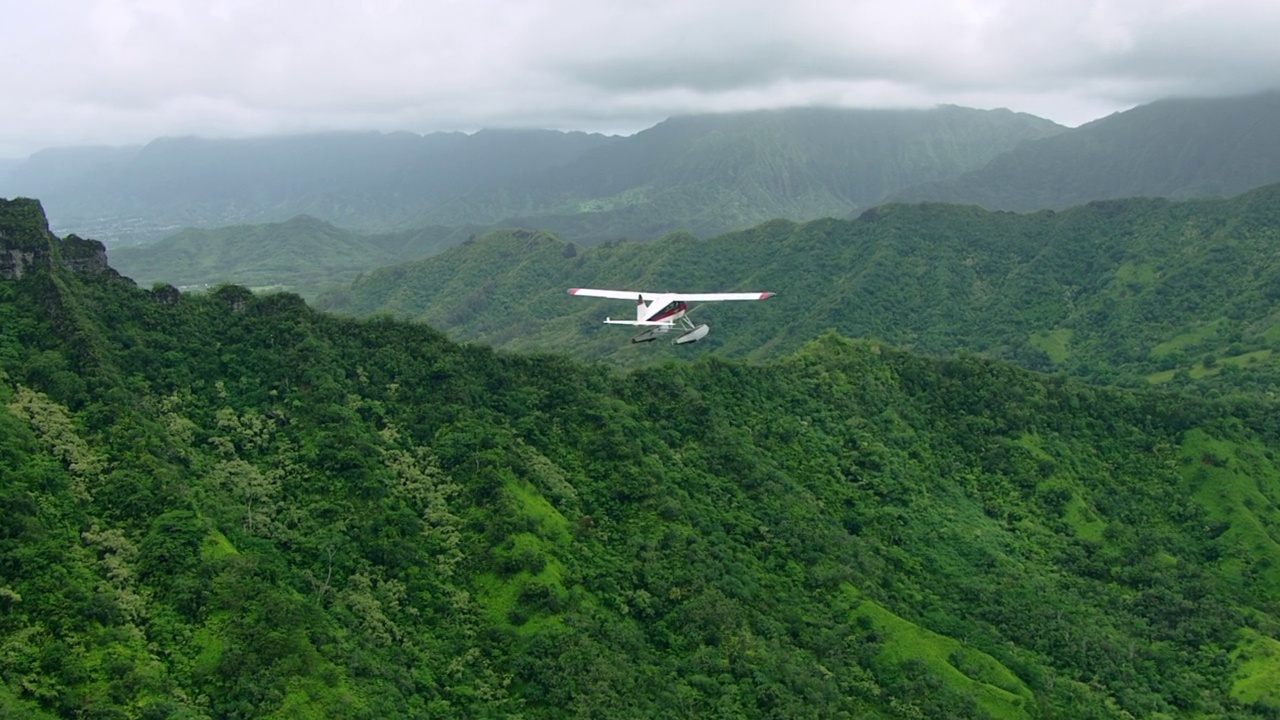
[{"x": 127, "y": 71}]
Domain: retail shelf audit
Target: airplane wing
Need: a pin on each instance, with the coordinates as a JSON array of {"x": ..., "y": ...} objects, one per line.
[
  {"x": 615, "y": 294},
  {"x": 686, "y": 297},
  {"x": 716, "y": 297}
]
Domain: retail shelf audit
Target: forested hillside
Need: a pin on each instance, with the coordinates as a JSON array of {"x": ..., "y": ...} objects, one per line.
[
  {"x": 303, "y": 255},
  {"x": 1131, "y": 291},
  {"x": 227, "y": 505},
  {"x": 1177, "y": 148}
]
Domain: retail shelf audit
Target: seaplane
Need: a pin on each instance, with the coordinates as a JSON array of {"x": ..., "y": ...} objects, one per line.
[{"x": 661, "y": 312}]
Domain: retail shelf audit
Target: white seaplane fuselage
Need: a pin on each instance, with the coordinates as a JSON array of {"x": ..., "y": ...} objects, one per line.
[{"x": 660, "y": 313}]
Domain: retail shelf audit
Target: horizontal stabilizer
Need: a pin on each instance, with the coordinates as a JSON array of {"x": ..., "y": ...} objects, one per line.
[{"x": 649, "y": 323}]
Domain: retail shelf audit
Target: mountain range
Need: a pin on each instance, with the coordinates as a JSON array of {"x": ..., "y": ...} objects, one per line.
[
  {"x": 707, "y": 174},
  {"x": 403, "y": 197},
  {"x": 128, "y": 195}
]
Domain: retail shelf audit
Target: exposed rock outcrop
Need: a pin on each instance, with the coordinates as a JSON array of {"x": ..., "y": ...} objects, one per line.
[
  {"x": 86, "y": 257},
  {"x": 27, "y": 246},
  {"x": 25, "y": 241},
  {"x": 14, "y": 263}
]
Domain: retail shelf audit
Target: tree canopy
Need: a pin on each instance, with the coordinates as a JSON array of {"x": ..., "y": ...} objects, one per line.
[{"x": 229, "y": 505}]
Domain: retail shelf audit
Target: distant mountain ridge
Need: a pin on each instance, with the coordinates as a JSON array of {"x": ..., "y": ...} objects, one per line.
[
  {"x": 707, "y": 174},
  {"x": 1177, "y": 148},
  {"x": 704, "y": 174},
  {"x": 357, "y": 180}
]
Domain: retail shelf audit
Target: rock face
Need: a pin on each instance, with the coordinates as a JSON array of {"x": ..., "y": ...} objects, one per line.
[
  {"x": 14, "y": 262},
  {"x": 24, "y": 238},
  {"x": 86, "y": 257},
  {"x": 27, "y": 246}
]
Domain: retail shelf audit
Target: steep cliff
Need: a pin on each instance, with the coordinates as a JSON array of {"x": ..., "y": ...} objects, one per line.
[{"x": 26, "y": 244}]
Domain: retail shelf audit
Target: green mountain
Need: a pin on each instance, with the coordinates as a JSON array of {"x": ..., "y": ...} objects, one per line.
[
  {"x": 226, "y": 505},
  {"x": 302, "y": 254},
  {"x": 710, "y": 173},
  {"x": 1173, "y": 148},
  {"x": 1118, "y": 291}
]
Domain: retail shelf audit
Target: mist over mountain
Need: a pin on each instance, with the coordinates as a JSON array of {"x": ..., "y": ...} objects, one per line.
[
  {"x": 356, "y": 180},
  {"x": 705, "y": 173},
  {"x": 711, "y": 173},
  {"x": 6, "y": 166},
  {"x": 1172, "y": 148}
]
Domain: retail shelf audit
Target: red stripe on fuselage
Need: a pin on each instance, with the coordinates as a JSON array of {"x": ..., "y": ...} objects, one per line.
[{"x": 671, "y": 310}]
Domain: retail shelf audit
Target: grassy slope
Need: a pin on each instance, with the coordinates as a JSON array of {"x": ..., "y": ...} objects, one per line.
[{"x": 971, "y": 673}]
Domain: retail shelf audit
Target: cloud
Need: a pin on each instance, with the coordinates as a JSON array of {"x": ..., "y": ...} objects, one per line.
[{"x": 115, "y": 71}]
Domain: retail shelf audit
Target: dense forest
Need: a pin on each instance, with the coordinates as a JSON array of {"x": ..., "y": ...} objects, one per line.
[{"x": 228, "y": 505}]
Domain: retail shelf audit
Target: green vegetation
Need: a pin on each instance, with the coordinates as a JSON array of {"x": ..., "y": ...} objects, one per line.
[
  {"x": 1055, "y": 344},
  {"x": 981, "y": 678},
  {"x": 1258, "y": 678},
  {"x": 229, "y": 505},
  {"x": 303, "y": 255},
  {"x": 1128, "y": 292},
  {"x": 1197, "y": 336}
]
